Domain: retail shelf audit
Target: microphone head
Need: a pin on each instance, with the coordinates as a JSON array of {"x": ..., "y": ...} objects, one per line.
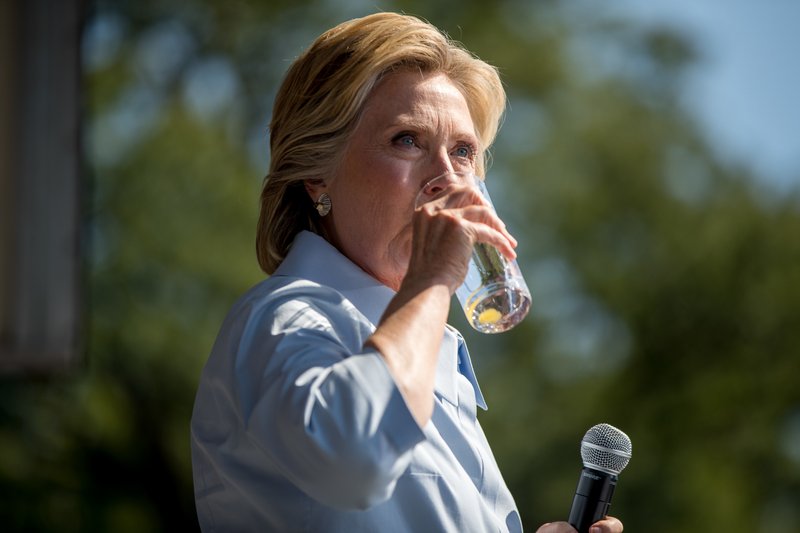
[{"x": 606, "y": 448}]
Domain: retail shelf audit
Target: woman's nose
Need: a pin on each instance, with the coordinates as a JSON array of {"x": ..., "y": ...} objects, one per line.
[
  {"x": 440, "y": 175},
  {"x": 441, "y": 163},
  {"x": 437, "y": 184}
]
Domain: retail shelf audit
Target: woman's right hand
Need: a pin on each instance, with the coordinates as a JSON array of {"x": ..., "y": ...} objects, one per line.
[{"x": 445, "y": 230}]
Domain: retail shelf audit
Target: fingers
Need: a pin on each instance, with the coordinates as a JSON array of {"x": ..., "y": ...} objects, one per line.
[
  {"x": 608, "y": 525},
  {"x": 500, "y": 239},
  {"x": 487, "y": 216},
  {"x": 477, "y": 223},
  {"x": 475, "y": 216},
  {"x": 445, "y": 231},
  {"x": 556, "y": 527}
]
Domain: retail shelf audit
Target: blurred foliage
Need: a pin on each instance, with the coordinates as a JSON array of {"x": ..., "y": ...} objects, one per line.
[{"x": 666, "y": 282}]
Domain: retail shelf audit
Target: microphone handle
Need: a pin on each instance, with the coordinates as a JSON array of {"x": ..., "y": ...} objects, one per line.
[{"x": 592, "y": 498}]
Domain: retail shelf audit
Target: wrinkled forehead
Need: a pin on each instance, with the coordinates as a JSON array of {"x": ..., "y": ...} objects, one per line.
[{"x": 422, "y": 102}]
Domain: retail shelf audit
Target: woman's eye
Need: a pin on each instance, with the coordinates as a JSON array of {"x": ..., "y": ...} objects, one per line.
[
  {"x": 405, "y": 139},
  {"x": 465, "y": 151}
]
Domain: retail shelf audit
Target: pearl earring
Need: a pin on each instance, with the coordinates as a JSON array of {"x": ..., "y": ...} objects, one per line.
[{"x": 323, "y": 204}]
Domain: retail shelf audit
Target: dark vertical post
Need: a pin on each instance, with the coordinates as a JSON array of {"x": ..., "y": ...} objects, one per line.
[{"x": 40, "y": 185}]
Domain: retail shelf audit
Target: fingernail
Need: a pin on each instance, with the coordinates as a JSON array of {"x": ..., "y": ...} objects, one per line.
[{"x": 595, "y": 530}]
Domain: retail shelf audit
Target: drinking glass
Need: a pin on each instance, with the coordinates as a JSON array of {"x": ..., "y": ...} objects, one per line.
[{"x": 494, "y": 295}]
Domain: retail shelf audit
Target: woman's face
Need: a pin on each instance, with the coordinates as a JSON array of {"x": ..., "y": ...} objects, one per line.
[{"x": 414, "y": 127}]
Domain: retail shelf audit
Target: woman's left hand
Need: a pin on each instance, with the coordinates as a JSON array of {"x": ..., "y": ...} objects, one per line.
[{"x": 608, "y": 525}]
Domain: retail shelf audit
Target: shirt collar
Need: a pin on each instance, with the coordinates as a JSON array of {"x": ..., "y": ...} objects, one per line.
[
  {"x": 315, "y": 259},
  {"x": 454, "y": 357}
]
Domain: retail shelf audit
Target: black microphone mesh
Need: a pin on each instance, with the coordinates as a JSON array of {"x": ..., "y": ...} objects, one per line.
[{"x": 606, "y": 448}]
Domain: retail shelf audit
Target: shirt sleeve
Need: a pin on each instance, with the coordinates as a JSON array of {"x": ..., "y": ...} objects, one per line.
[{"x": 323, "y": 410}]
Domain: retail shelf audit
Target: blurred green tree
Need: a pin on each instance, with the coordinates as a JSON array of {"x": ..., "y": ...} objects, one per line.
[{"x": 666, "y": 283}]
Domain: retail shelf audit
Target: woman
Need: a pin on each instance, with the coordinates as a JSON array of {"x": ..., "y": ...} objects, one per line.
[{"x": 336, "y": 397}]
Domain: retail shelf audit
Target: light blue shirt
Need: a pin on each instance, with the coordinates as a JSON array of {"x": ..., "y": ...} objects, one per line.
[{"x": 297, "y": 427}]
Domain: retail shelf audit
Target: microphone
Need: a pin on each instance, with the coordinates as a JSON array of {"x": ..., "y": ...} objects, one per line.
[{"x": 605, "y": 451}]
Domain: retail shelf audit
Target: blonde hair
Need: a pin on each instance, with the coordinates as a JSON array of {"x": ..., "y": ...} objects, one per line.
[{"x": 319, "y": 103}]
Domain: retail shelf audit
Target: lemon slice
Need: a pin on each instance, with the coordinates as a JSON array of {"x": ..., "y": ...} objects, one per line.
[{"x": 489, "y": 316}]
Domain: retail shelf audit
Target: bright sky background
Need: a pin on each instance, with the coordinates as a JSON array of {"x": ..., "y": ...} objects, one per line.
[{"x": 747, "y": 88}]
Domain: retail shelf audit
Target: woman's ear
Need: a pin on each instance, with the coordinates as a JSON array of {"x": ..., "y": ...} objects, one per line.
[
  {"x": 315, "y": 187},
  {"x": 317, "y": 190}
]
